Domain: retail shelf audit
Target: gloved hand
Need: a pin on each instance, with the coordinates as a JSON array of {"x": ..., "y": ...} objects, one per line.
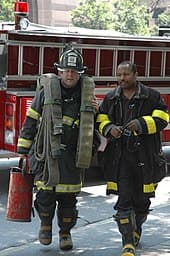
[
  {"x": 134, "y": 126},
  {"x": 116, "y": 131},
  {"x": 95, "y": 104}
]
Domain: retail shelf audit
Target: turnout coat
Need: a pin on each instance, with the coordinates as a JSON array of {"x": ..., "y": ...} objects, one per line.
[
  {"x": 70, "y": 176},
  {"x": 151, "y": 113}
]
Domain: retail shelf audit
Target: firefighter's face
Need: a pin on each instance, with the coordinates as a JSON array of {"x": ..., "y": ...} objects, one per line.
[
  {"x": 69, "y": 77},
  {"x": 126, "y": 77}
]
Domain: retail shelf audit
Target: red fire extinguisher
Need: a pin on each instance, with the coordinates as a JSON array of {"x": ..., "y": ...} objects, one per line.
[{"x": 19, "y": 204}]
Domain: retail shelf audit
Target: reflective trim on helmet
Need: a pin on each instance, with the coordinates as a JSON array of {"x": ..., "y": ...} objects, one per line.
[{"x": 66, "y": 69}]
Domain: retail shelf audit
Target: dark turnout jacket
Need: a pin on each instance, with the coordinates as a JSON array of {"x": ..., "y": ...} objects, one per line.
[{"x": 151, "y": 113}]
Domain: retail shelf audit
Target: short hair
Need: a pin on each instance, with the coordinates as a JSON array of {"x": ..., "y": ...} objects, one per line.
[{"x": 131, "y": 65}]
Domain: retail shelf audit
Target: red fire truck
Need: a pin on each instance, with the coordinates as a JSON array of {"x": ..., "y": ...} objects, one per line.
[{"x": 27, "y": 53}]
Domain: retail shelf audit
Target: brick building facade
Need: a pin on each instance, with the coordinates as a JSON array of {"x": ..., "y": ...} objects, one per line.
[{"x": 52, "y": 12}]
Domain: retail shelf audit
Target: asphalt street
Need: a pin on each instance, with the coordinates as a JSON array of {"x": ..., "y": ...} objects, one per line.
[{"x": 95, "y": 233}]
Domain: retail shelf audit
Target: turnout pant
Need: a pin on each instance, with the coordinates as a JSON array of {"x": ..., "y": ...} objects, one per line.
[
  {"x": 131, "y": 205},
  {"x": 46, "y": 202}
]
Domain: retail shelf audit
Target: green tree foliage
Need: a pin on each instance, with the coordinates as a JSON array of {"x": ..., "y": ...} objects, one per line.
[
  {"x": 94, "y": 14},
  {"x": 164, "y": 18},
  {"x": 6, "y": 10},
  {"x": 126, "y": 16},
  {"x": 130, "y": 17}
]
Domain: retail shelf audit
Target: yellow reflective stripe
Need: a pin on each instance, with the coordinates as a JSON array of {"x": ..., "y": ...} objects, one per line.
[
  {"x": 60, "y": 187},
  {"x": 161, "y": 114},
  {"x": 24, "y": 143},
  {"x": 102, "y": 117},
  {"x": 148, "y": 188},
  {"x": 150, "y": 123},
  {"x": 68, "y": 188},
  {"x": 40, "y": 185},
  {"x": 33, "y": 114},
  {"x": 77, "y": 122},
  {"x": 70, "y": 121},
  {"x": 102, "y": 125},
  {"x": 127, "y": 246},
  {"x": 112, "y": 185},
  {"x": 124, "y": 221}
]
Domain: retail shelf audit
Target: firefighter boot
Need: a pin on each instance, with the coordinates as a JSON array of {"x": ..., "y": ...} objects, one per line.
[
  {"x": 45, "y": 234},
  {"x": 140, "y": 219},
  {"x": 65, "y": 241},
  {"x": 46, "y": 215},
  {"x": 126, "y": 224},
  {"x": 67, "y": 218}
]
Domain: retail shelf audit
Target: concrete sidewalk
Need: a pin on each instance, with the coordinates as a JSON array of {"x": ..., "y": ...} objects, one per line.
[{"x": 96, "y": 233}]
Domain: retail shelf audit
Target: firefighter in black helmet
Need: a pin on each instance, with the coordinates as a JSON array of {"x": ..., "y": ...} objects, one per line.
[{"x": 64, "y": 194}]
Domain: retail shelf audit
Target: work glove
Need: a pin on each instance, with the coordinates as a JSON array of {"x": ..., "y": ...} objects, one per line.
[
  {"x": 134, "y": 126},
  {"x": 116, "y": 131}
]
